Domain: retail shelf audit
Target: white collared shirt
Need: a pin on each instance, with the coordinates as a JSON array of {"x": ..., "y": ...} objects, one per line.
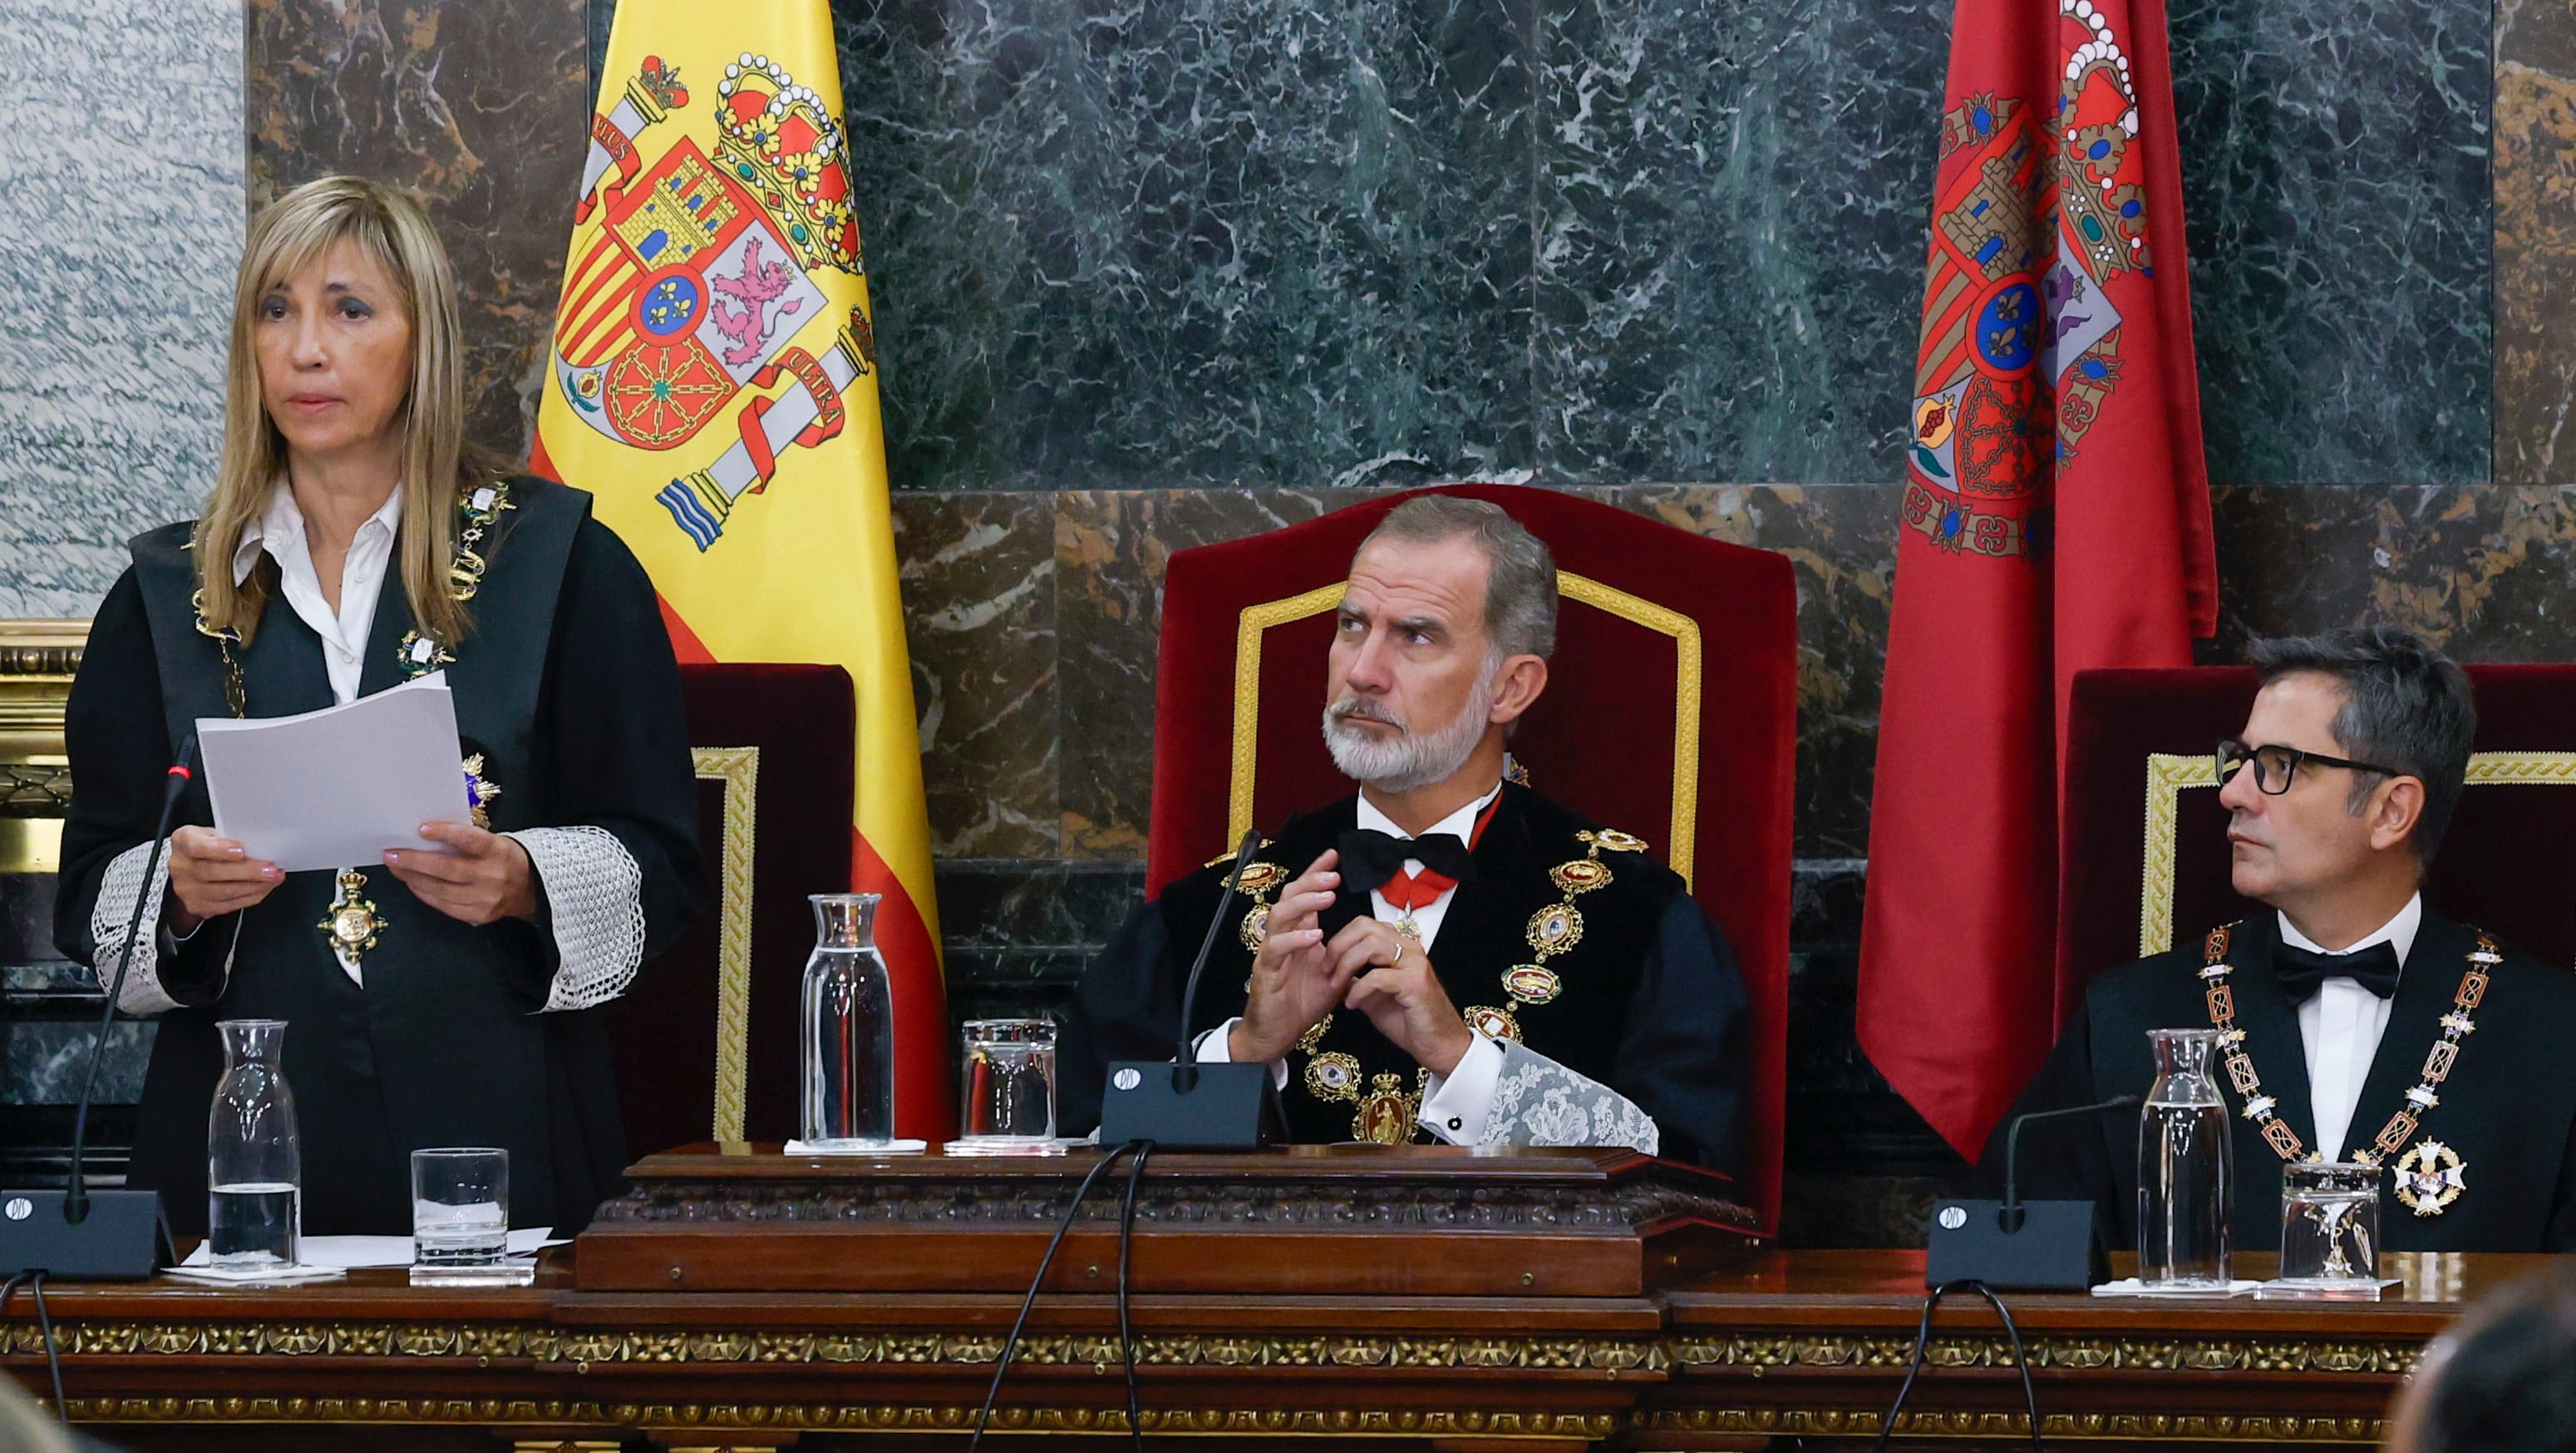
[
  {"x": 2341, "y": 1026},
  {"x": 1455, "y": 1105},
  {"x": 280, "y": 531}
]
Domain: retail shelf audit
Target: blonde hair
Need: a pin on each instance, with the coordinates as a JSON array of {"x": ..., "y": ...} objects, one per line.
[{"x": 288, "y": 236}]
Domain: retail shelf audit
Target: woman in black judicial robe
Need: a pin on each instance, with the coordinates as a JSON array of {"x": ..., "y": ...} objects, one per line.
[{"x": 431, "y": 998}]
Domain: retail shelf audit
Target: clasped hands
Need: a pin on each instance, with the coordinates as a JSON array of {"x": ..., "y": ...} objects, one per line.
[
  {"x": 486, "y": 879},
  {"x": 1299, "y": 977}
]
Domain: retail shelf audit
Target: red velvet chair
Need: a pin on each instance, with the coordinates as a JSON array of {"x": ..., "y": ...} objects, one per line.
[
  {"x": 705, "y": 1043},
  {"x": 2134, "y": 882},
  {"x": 1670, "y": 712}
]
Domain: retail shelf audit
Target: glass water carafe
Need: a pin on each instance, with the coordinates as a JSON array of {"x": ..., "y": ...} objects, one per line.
[
  {"x": 848, "y": 1029},
  {"x": 254, "y": 1167},
  {"x": 2186, "y": 1171}
]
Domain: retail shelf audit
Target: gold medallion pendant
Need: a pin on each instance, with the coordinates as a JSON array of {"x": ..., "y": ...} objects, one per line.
[
  {"x": 2430, "y": 1176},
  {"x": 1493, "y": 1022},
  {"x": 352, "y": 925},
  {"x": 1386, "y": 1112}
]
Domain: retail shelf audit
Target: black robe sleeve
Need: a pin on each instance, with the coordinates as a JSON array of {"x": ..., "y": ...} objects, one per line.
[
  {"x": 1123, "y": 1009},
  {"x": 120, "y": 755},
  {"x": 1681, "y": 1050},
  {"x": 614, "y": 740},
  {"x": 2560, "y": 1233},
  {"x": 2066, "y": 1160}
]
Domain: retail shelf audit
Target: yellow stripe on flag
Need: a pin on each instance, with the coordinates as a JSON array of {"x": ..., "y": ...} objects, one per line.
[{"x": 713, "y": 385}]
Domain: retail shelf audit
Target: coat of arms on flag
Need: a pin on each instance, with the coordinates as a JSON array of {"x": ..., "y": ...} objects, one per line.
[
  {"x": 698, "y": 270},
  {"x": 2036, "y": 214}
]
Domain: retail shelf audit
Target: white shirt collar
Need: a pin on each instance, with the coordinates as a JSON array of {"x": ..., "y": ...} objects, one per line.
[
  {"x": 1458, "y": 824},
  {"x": 2398, "y": 932},
  {"x": 284, "y": 520}
]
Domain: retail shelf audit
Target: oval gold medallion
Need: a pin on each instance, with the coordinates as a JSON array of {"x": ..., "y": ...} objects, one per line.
[
  {"x": 1616, "y": 841},
  {"x": 1256, "y": 926},
  {"x": 1493, "y": 1023},
  {"x": 1260, "y": 877},
  {"x": 1532, "y": 983},
  {"x": 1555, "y": 928},
  {"x": 1333, "y": 1076},
  {"x": 1580, "y": 876}
]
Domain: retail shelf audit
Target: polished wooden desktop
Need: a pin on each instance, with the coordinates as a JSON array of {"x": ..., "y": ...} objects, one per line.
[{"x": 1761, "y": 1343}]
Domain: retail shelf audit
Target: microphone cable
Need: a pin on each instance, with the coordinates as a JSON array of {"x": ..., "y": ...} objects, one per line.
[
  {"x": 1126, "y": 1334},
  {"x": 1011, "y": 1343},
  {"x": 34, "y": 1282},
  {"x": 1922, "y": 1340}
]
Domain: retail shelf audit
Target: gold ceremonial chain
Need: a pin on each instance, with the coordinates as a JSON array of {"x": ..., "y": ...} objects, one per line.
[
  {"x": 353, "y": 925},
  {"x": 1386, "y": 1111},
  {"x": 2431, "y": 1175}
]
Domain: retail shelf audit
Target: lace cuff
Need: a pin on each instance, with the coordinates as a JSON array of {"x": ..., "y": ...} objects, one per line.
[
  {"x": 1540, "y": 1102},
  {"x": 594, "y": 893},
  {"x": 108, "y": 916}
]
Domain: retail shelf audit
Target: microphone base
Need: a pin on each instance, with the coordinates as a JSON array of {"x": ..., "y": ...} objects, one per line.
[
  {"x": 2053, "y": 1250},
  {"x": 1231, "y": 1107},
  {"x": 124, "y": 1237}
]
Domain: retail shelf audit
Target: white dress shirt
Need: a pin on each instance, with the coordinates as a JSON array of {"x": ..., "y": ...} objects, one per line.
[
  {"x": 280, "y": 532},
  {"x": 1454, "y": 1106},
  {"x": 2341, "y": 1026}
]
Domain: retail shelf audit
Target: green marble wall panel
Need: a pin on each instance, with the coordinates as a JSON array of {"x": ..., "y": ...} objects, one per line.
[
  {"x": 2335, "y": 182},
  {"x": 1257, "y": 242}
]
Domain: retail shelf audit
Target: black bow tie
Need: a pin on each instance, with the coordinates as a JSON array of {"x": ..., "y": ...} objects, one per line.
[
  {"x": 2302, "y": 970},
  {"x": 1370, "y": 857}
]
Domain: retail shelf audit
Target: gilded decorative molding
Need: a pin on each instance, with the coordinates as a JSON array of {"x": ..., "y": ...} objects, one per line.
[
  {"x": 738, "y": 768},
  {"x": 2065, "y": 1354},
  {"x": 37, "y": 662},
  {"x": 1688, "y": 680},
  {"x": 2180, "y": 1427},
  {"x": 2169, "y": 774}
]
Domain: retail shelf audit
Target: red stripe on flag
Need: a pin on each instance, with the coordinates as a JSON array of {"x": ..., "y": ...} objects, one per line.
[
  {"x": 684, "y": 642},
  {"x": 925, "y": 1106}
]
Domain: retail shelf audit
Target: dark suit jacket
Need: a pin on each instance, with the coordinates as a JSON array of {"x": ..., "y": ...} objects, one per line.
[{"x": 2508, "y": 1107}]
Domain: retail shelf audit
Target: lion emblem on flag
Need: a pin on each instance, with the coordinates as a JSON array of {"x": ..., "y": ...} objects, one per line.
[{"x": 700, "y": 268}]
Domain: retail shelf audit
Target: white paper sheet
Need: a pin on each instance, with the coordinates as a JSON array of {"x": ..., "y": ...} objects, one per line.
[
  {"x": 351, "y": 1252},
  {"x": 335, "y": 788}
]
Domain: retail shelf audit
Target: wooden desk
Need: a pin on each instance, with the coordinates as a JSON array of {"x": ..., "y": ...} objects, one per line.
[{"x": 1806, "y": 1343}]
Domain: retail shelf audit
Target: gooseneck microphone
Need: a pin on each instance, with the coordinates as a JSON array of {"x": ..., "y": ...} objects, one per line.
[
  {"x": 2012, "y": 1147},
  {"x": 2010, "y": 1245},
  {"x": 182, "y": 772},
  {"x": 116, "y": 1235},
  {"x": 1185, "y": 1054},
  {"x": 1180, "y": 1104}
]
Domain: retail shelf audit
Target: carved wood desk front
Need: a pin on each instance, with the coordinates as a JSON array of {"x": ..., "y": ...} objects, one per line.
[{"x": 1776, "y": 1343}]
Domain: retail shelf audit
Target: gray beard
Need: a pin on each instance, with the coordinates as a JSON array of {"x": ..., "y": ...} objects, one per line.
[{"x": 1412, "y": 760}]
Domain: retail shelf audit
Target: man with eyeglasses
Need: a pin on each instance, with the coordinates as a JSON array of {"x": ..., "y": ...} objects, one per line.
[{"x": 2358, "y": 1022}]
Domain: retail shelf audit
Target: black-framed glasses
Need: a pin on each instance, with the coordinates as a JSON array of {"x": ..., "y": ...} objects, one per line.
[{"x": 2275, "y": 767}]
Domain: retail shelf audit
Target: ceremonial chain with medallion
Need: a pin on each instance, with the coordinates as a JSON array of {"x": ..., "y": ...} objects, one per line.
[
  {"x": 353, "y": 925},
  {"x": 2430, "y": 1176},
  {"x": 1387, "y": 1112}
]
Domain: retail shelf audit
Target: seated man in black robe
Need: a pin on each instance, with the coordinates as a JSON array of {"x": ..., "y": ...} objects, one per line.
[
  {"x": 2360, "y": 1023},
  {"x": 1446, "y": 953}
]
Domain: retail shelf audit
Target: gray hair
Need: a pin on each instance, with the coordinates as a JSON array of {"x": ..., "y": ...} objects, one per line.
[
  {"x": 1520, "y": 580},
  {"x": 2406, "y": 706}
]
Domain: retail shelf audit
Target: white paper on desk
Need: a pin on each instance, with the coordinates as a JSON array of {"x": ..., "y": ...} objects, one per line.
[
  {"x": 334, "y": 788},
  {"x": 351, "y": 1252}
]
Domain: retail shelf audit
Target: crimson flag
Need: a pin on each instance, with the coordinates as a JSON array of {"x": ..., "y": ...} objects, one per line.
[{"x": 2056, "y": 519}]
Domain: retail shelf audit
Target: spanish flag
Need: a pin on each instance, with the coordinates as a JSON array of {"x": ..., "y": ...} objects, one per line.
[{"x": 713, "y": 384}]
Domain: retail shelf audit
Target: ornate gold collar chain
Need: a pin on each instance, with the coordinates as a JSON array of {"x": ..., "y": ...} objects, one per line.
[
  {"x": 353, "y": 925},
  {"x": 2431, "y": 1175}
]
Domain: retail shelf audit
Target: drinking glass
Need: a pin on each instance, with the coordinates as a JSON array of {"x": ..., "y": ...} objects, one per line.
[
  {"x": 2330, "y": 1226},
  {"x": 1007, "y": 1088},
  {"x": 2185, "y": 1167},
  {"x": 460, "y": 1207}
]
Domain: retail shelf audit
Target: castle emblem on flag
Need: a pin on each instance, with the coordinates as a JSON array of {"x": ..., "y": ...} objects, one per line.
[
  {"x": 698, "y": 269},
  {"x": 2020, "y": 346}
]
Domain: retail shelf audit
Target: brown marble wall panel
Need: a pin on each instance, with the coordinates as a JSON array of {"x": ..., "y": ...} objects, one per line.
[
  {"x": 979, "y": 581},
  {"x": 2535, "y": 241},
  {"x": 2484, "y": 570},
  {"x": 481, "y": 107}
]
